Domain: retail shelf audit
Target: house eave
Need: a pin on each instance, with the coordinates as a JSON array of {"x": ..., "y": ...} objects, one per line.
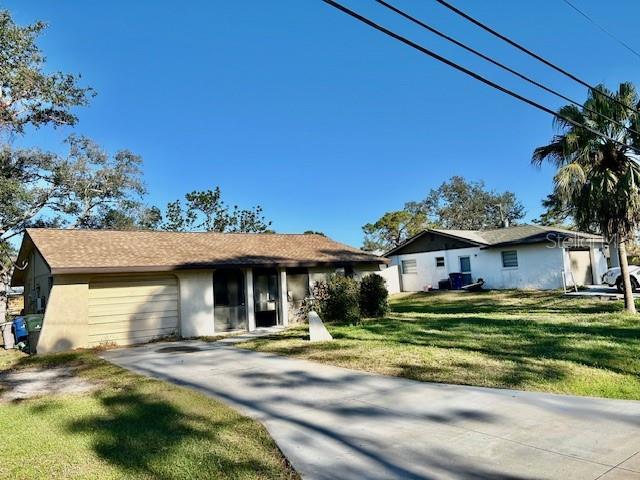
[
  {"x": 472, "y": 243},
  {"x": 89, "y": 270}
]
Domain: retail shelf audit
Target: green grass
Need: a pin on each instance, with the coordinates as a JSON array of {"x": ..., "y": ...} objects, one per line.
[
  {"x": 129, "y": 427},
  {"x": 512, "y": 339}
]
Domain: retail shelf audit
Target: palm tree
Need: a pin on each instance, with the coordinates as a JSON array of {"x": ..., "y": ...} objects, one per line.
[{"x": 598, "y": 179}]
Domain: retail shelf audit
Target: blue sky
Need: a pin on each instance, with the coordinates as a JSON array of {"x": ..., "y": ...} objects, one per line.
[{"x": 324, "y": 122}]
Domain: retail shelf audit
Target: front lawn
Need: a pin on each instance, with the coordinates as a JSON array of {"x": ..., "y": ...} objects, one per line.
[
  {"x": 513, "y": 339},
  {"x": 129, "y": 426}
]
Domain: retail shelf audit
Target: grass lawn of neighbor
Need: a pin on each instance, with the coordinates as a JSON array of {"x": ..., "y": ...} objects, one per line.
[
  {"x": 127, "y": 426},
  {"x": 509, "y": 339}
]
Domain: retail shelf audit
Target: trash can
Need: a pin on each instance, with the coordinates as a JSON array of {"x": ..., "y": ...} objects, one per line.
[
  {"x": 20, "y": 329},
  {"x": 34, "y": 325},
  {"x": 33, "y": 321},
  {"x": 34, "y": 336},
  {"x": 456, "y": 281}
]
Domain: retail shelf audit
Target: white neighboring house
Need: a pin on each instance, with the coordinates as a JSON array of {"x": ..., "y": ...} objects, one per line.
[{"x": 524, "y": 256}]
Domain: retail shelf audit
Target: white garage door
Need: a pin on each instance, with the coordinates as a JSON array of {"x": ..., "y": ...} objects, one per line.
[{"x": 132, "y": 310}]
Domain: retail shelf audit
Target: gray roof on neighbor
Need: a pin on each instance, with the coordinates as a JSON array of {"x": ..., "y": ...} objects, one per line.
[{"x": 520, "y": 234}]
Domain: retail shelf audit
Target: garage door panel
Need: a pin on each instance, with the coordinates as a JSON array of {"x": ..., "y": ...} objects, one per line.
[
  {"x": 141, "y": 326},
  {"x": 129, "y": 282},
  {"x": 133, "y": 299},
  {"x": 132, "y": 308},
  {"x": 138, "y": 317},
  {"x": 119, "y": 292},
  {"x": 129, "y": 338},
  {"x": 124, "y": 311}
]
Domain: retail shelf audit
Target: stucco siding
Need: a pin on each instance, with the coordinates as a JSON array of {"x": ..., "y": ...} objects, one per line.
[
  {"x": 391, "y": 278},
  {"x": 600, "y": 264},
  {"x": 196, "y": 303},
  {"x": 37, "y": 283},
  {"x": 539, "y": 267},
  {"x": 428, "y": 274},
  {"x": 65, "y": 320},
  {"x": 365, "y": 269}
]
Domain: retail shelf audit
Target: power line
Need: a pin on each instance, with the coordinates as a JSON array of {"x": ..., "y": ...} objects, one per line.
[
  {"x": 531, "y": 54},
  {"x": 600, "y": 27},
  {"x": 500, "y": 65},
  {"x": 472, "y": 74}
]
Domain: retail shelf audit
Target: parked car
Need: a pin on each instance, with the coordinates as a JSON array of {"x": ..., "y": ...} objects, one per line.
[{"x": 612, "y": 277}]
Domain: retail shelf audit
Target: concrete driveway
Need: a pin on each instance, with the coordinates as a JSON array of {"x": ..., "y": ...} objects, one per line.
[{"x": 334, "y": 423}]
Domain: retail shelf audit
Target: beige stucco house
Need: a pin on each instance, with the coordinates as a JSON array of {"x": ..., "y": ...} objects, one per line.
[{"x": 103, "y": 287}]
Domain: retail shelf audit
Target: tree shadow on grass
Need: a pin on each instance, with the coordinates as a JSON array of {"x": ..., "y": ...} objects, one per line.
[
  {"x": 150, "y": 437},
  {"x": 595, "y": 345},
  {"x": 504, "y": 301}
]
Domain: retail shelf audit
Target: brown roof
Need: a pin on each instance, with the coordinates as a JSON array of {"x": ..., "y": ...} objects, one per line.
[{"x": 88, "y": 251}]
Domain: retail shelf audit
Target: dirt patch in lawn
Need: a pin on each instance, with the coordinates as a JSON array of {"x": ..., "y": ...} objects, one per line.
[{"x": 23, "y": 384}]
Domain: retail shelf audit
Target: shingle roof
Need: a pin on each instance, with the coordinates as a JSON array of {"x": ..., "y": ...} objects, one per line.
[
  {"x": 520, "y": 234},
  {"x": 76, "y": 251},
  {"x": 471, "y": 235},
  {"x": 528, "y": 234}
]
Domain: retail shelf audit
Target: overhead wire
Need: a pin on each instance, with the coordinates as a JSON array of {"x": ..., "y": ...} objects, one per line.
[{"x": 474, "y": 75}]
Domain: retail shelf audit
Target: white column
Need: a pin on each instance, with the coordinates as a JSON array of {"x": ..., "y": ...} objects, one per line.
[
  {"x": 251, "y": 315},
  {"x": 284, "y": 301}
]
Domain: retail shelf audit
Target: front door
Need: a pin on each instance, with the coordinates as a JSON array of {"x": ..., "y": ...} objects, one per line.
[
  {"x": 265, "y": 294},
  {"x": 230, "y": 311},
  {"x": 465, "y": 269}
]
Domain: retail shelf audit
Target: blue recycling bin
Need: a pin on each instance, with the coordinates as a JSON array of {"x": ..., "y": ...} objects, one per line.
[
  {"x": 456, "y": 281},
  {"x": 20, "y": 329}
]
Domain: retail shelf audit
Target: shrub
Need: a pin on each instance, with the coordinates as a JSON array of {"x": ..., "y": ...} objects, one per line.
[
  {"x": 373, "y": 296},
  {"x": 337, "y": 299}
]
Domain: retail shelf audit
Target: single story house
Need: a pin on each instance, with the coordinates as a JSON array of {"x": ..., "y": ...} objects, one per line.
[
  {"x": 98, "y": 287},
  {"x": 525, "y": 256}
]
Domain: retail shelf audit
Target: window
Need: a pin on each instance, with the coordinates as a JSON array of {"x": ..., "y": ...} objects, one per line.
[
  {"x": 439, "y": 261},
  {"x": 297, "y": 284},
  {"x": 510, "y": 259},
  {"x": 228, "y": 288},
  {"x": 409, "y": 266}
]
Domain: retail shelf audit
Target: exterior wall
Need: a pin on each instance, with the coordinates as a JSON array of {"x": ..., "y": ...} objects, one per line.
[
  {"x": 428, "y": 273},
  {"x": 365, "y": 269},
  {"x": 539, "y": 267},
  {"x": 36, "y": 283},
  {"x": 65, "y": 320},
  {"x": 196, "y": 303},
  {"x": 599, "y": 264},
  {"x": 319, "y": 274},
  {"x": 65, "y": 324},
  {"x": 391, "y": 277}
]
